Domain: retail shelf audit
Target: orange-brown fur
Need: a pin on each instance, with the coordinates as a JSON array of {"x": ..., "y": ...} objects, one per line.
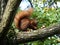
[{"x": 22, "y": 20}]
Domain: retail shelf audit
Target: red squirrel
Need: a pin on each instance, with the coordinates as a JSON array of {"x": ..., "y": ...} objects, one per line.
[{"x": 22, "y": 20}]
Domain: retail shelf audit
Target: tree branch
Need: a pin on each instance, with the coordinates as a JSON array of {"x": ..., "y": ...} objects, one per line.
[{"x": 40, "y": 34}]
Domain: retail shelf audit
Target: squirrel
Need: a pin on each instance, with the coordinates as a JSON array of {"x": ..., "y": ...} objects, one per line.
[{"x": 23, "y": 22}]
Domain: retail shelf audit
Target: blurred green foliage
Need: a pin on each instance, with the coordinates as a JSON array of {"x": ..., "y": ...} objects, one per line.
[
  {"x": 47, "y": 16},
  {"x": 44, "y": 16}
]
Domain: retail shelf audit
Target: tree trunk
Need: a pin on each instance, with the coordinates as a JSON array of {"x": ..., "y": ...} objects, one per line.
[{"x": 8, "y": 16}]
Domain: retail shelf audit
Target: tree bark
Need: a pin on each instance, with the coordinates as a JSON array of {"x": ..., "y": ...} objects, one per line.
[
  {"x": 8, "y": 16},
  {"x": 39, "y": 34},
  {"x": 2, "y": 7}
]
